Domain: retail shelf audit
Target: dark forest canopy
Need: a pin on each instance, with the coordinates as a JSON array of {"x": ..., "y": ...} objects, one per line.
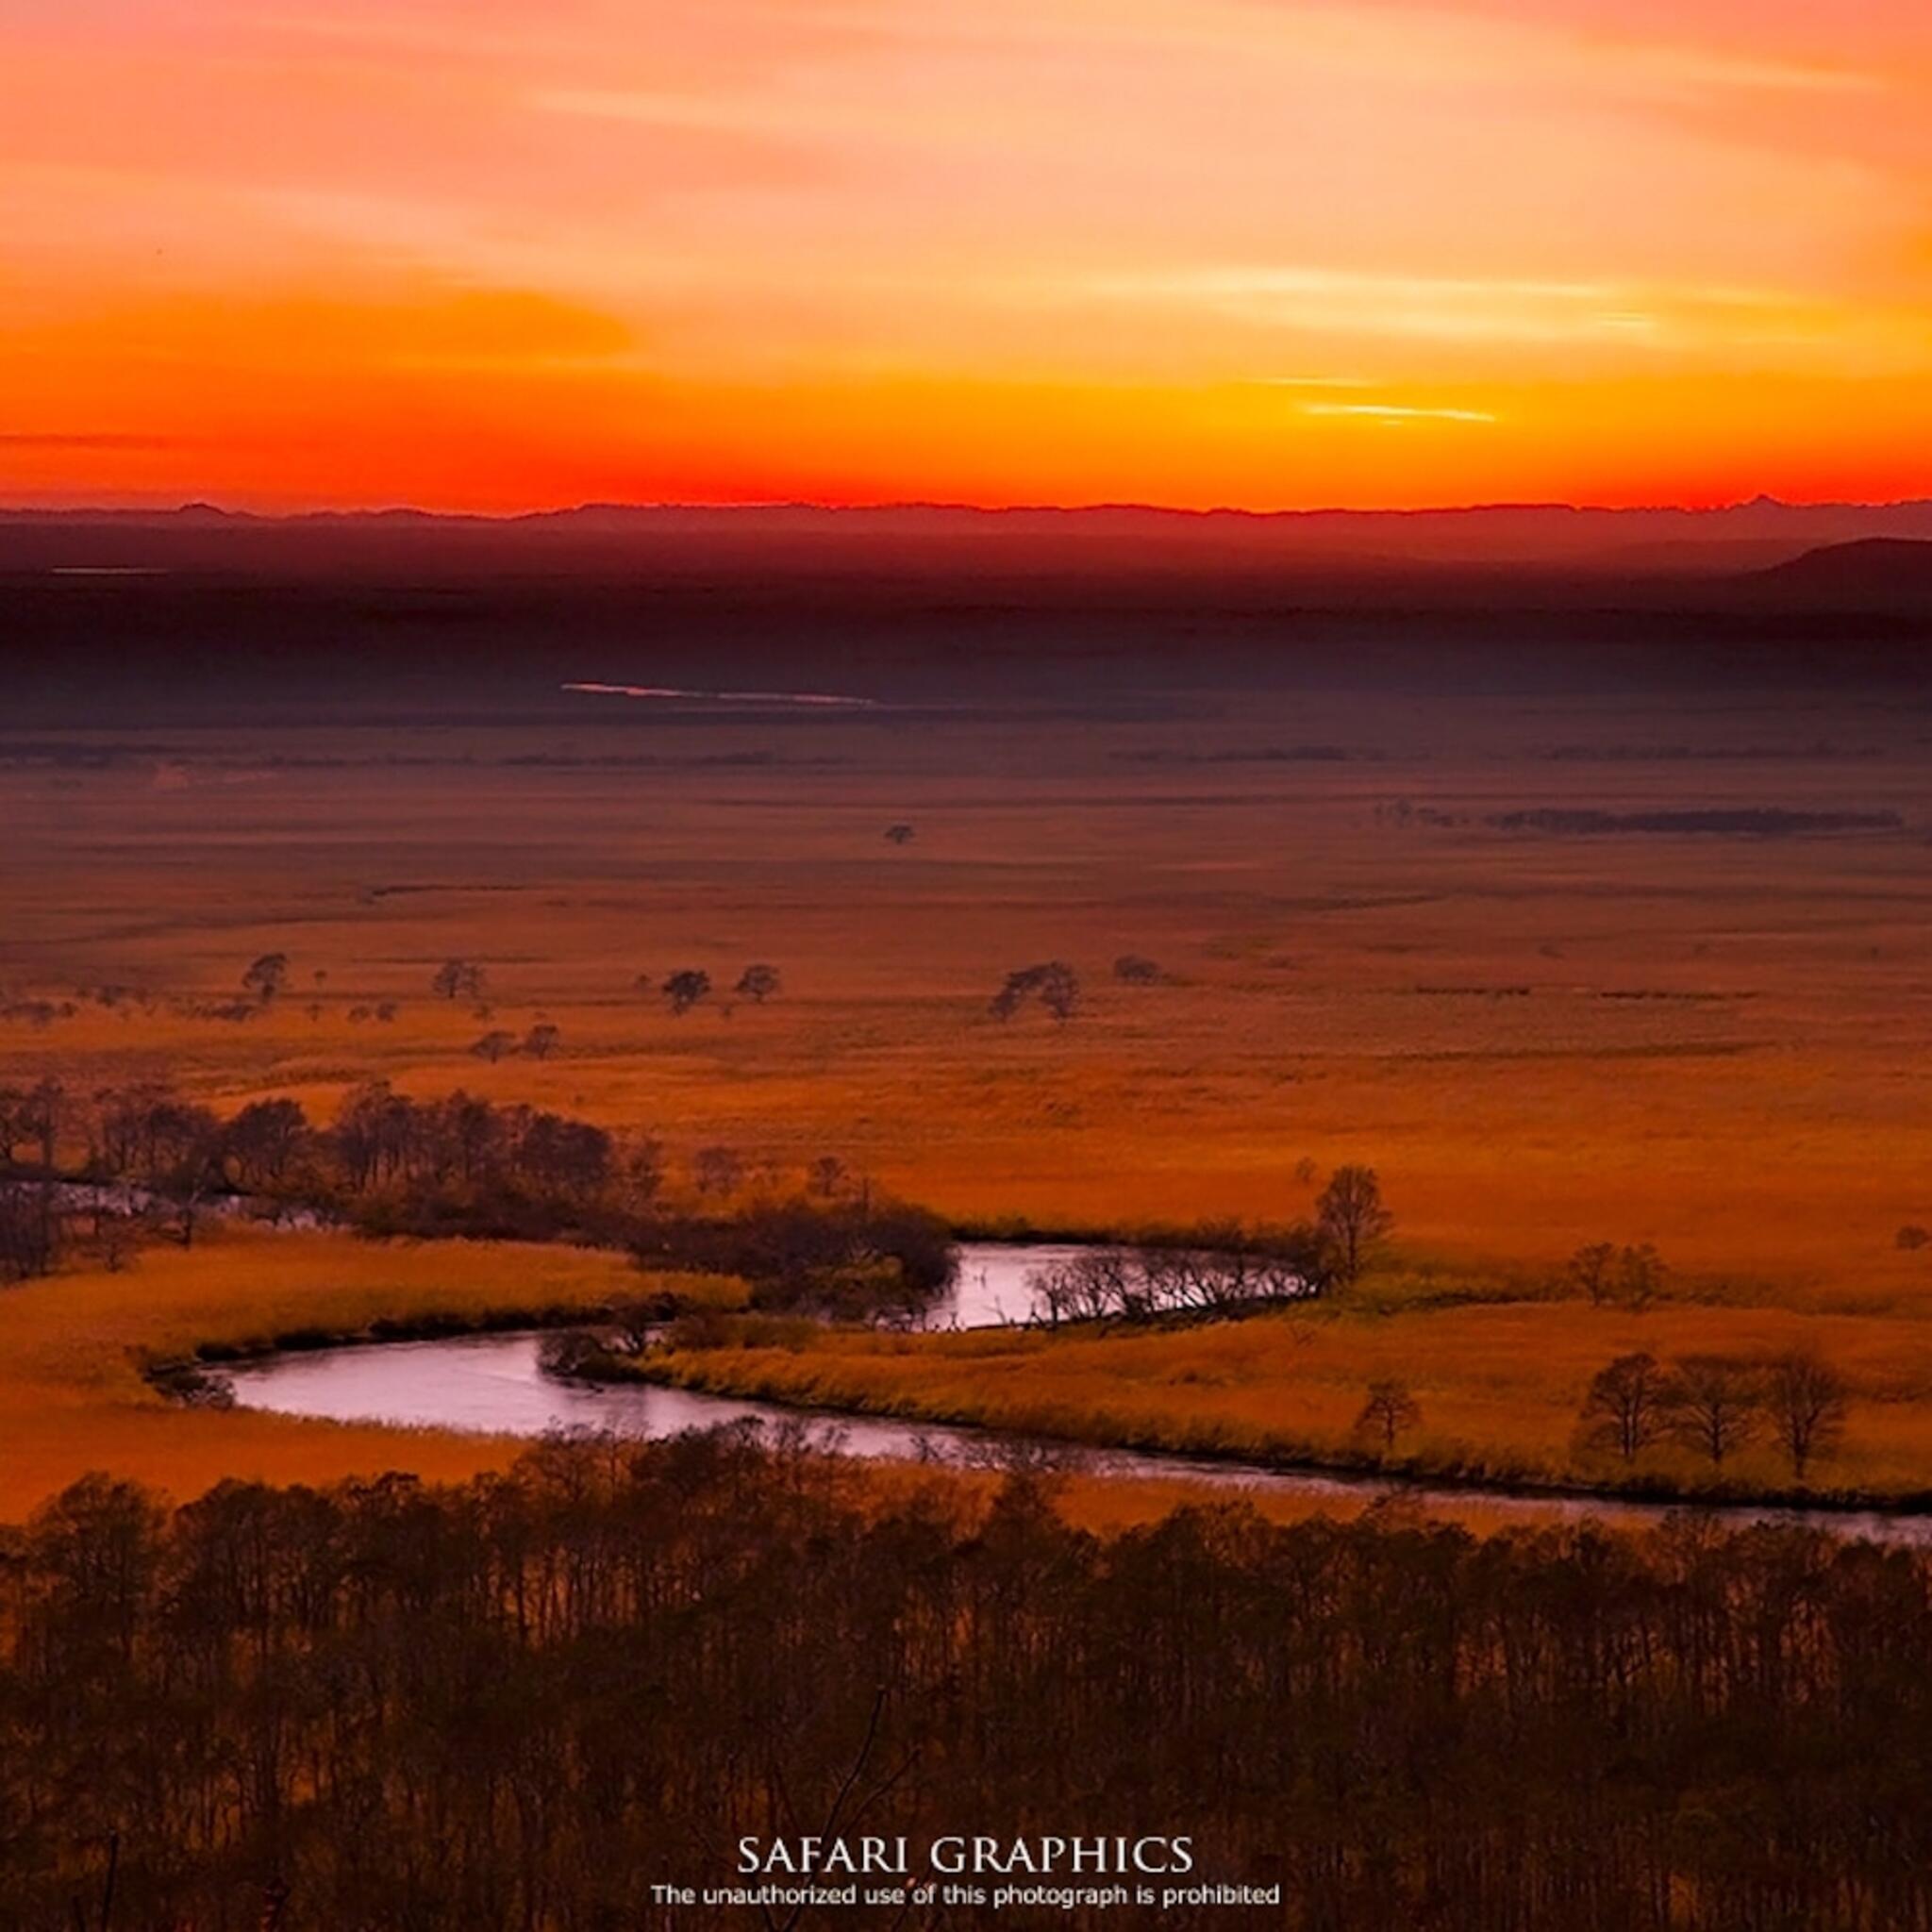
[{"x": 523, "y": 1702}]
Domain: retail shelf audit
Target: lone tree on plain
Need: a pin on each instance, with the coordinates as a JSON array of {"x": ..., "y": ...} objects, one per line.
[
  {"x": 758, "y": 983},
  {"x": 1390, "y": 1409},
  {"x": 1806, "y": 1400},
  {"x": 1351, "y": 1214},
  {"x": 900, "y": 834},
  {"x": 457, "y": 979},
  {"x": 539, "y": 1042},
  {"x": 684, "y": 989},
  {"x": 494, "y": 1045},
  {"x": 1718, "y": 1405},
  {"x": 267, "y": 976},
  {"x": 1136, "y": 969},
  {"x": 1631, "y": 1404},
  {"x": 1054, "y": 983}
]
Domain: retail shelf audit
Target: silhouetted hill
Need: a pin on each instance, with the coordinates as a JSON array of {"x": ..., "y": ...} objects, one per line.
[{"x": 1872, "y": 573}]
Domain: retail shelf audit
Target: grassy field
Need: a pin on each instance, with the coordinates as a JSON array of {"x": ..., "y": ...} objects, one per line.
[
  {"x": 73, "y": 1395},
  {"x": 1715, "y": 1042},
  {"x": 1499, "y": 1386}
]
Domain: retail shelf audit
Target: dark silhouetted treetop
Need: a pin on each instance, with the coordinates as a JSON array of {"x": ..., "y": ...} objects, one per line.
[
  {"x": 1054, "y": 984},
  {"x": 684, "y": 987},
  {"x": 758, "y": 983},
  {"x": 267, "y": 976}
]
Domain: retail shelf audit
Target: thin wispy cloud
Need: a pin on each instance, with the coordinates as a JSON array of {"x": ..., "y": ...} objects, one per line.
[{"x": 1400, "y": 412}]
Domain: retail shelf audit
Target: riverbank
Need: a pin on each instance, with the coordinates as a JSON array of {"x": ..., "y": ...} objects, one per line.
[
  {"x": 1498, "y": 1388},
  {"x": 75, "y": 1351}
]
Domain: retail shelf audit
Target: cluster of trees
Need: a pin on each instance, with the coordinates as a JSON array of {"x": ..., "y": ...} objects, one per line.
[
  {"x": 1221, "y": 1266},
  {"x": 691, "y": 986},
  {"x": 106, "y": 1167},
  {"x": 1212, "y": 1268},
  {"x": 539, "y": 1042},
  {"x": 525, "y": 1701},
  {"x": 1606, "y": 1273},
  {"x": 861, "y": 1258},
  {"x": 1057, "y": 986},
  {"x": 1715, "y": 1404}
]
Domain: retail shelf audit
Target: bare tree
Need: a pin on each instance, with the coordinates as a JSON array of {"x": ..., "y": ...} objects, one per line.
[
  {"x": 1631, "y": 1404},
  {"x": 539, "y": 1042},
  {"x": 1390, "y": 1409},
  {"x": 758, "y": 983},
  {"x": 1717, "y": 1409},
  {"x": 1640, "y": 1275},
  {"x": 494, "y": 1045},
  {"x": 1592, "y": 1269},
  {"x": 684, "y": 989},
  {"x": 1350, "y": 1212},
  {"x": 1806, "y": 1400},
  {"x": 457, "y": 979}
]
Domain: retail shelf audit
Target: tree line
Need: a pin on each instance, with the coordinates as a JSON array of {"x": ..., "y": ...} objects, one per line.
[
  {"x": 91, "y": 1172},
  {"x": 521, "y": 1702},
  {"x": 1715, "y": 1404}
]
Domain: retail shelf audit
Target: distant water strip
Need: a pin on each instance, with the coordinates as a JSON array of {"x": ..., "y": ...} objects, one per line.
[{"x": 825, "y": 700}]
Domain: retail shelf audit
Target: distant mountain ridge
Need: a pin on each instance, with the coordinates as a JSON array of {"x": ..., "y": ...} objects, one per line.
[{"x": 1658, "y": 543}]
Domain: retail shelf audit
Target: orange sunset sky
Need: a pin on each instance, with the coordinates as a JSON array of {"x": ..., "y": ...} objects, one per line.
[{"x": 499, "y": 255}]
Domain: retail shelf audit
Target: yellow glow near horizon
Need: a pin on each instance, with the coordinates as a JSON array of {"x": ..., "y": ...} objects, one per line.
[{"x": 1256, "y": 252}]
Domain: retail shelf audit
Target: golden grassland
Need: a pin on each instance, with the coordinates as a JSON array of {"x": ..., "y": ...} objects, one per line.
[
  {"x": 73, "y": 1349},
  {"x": 1718, "y": 1044},
  {"x": 1499, "y": 1386},
  {"x": 1721, "y": 1045}
]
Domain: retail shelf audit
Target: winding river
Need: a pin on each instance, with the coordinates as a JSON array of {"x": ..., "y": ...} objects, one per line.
[{"x": 492, "y": 1383}]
